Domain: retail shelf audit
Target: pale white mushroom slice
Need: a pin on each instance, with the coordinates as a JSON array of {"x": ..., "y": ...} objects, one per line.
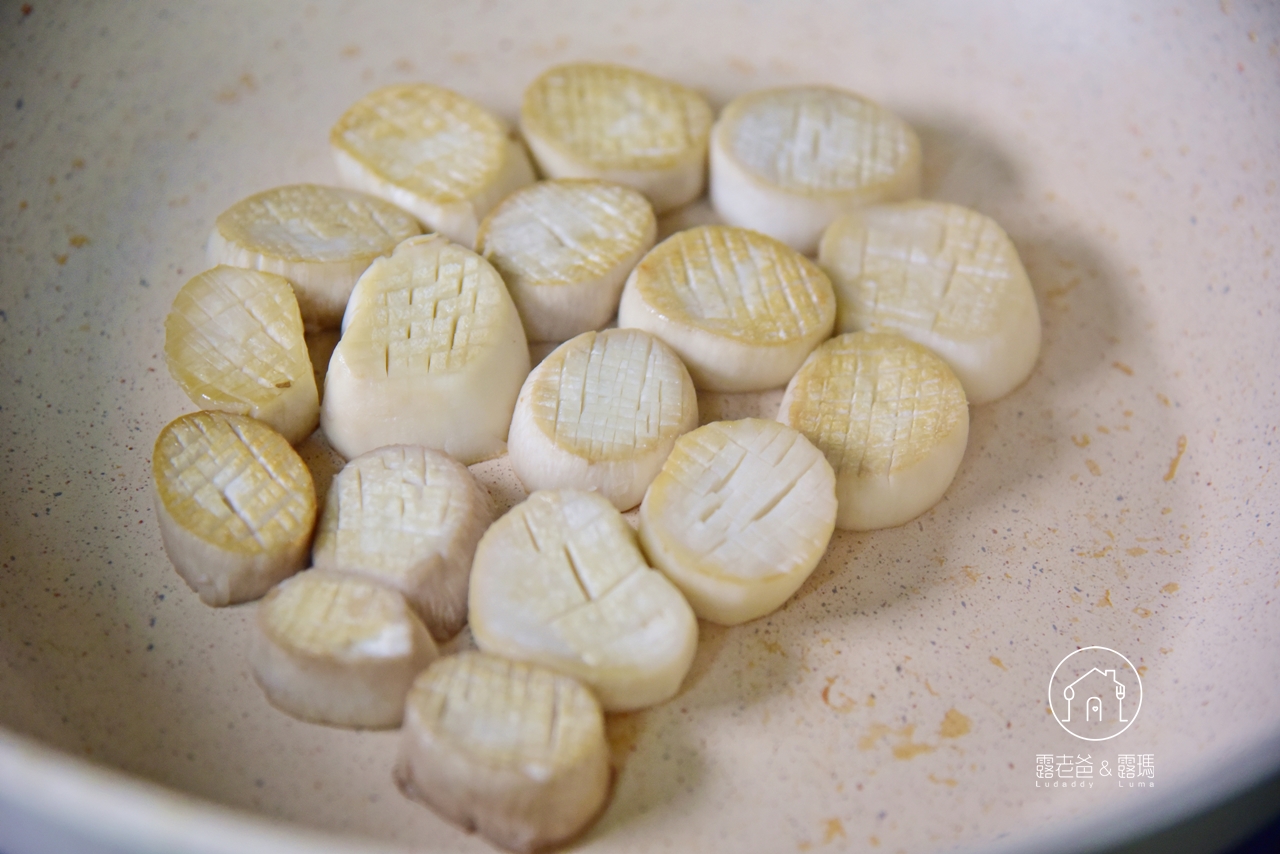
[
  {"x": 432, "y": 353},
  {"x": 442, "y": 157},
  {"x": 512, "y": 750},
  {"x": 595, "y": 120},
  {"x": 891, "y": 418},
  {"x": 234, "y": 342},
  {"x": 319, "y": 238},
  {"x": 739, "y": 516},
  {"x": 559, "y": 580},
  {"x": 407, "y": 517},
  {"x": 742, "y": 310},
  {"x": 335, "y": 649},
  {"x": 789, "y": 161},
  {"x": 601, "y": 412},
  {"x": 944, "y": 276},
  {"x": 565, "y": 248},
  {"x": 236, "y": 505}
]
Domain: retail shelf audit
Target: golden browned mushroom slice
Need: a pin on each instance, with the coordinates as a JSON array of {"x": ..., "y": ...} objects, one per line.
[
  {"x": 236, "y": 505},
  {"x": 788, "y": 161},
  {"x": 319, "y": 238},
  {"x": 944, "y": 276},
  {"x": 510, "y": 749},
  {"x": 234, "y": 341},
  {"x": 739, "y": 516},
  {"x": 336, "y": 649},
  {"x": 891, "y": 418},
  {"x": 432, "y": 353},
  {"x": 740, "y": 309},
  {"x": 595, "y": 120},
  {"x": 442, "y": 157},
  {"x": 602, "y": 412},
  {"x": 564, "y": 248},
  {"x": 407, "y": 517},
  {"x": 560, "y": 581}
]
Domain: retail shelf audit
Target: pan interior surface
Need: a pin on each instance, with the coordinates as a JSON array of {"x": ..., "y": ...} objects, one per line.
[{"x": 1123, "y": 497}]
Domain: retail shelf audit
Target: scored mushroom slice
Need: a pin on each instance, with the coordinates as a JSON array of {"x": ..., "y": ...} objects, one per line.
[
  {"x": 407, "y": 517},
  {"x": 234, "y": 342},
  {"x": 944, "y": 276},
  {"x": 788, "y": 161},
  {"x": 432, "y": 353},
  {"x": 565, "y": 248},
  {"x": 336, "y": 649},
  {"x": 236, "y": 505},
  {"x": 596, "y": 120},
  {"x": 319, "y": 238},
  {"x": 560, "y": 581},
  {"x": 440, "y": 156},
  {"x": 602, "y": 412},
  {"x": 891, "y": 418},
  {"x": 742, "y": 310},
  {"x": 513, "y": 750},
  {"x": 739, "y": 516}
]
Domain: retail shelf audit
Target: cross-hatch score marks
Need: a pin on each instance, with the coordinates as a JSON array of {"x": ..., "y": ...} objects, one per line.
[
  {"x": 429, "y": 140},
  {"x": 938, "y": 267},
  {"x": 737, "y": 284},
  {"x": 428, "y": 318},
  {"x": 611, "y": 396},
  {"x": 615, "y": 117},
  {"x": 312, "y": 223},
  {"x": 820, "y": 141},
  {"x": 876, "y": 403},
  {"x": 391, "y": 504},
  {"x": 229, "y": 481},
  {"x": 234, "y": 337}
]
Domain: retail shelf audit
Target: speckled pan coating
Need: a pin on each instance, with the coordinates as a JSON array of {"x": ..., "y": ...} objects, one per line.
[{"x": 1124, "y": 496}]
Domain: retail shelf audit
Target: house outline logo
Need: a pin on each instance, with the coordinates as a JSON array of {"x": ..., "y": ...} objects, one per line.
[{"x": 1097, "y": 699}]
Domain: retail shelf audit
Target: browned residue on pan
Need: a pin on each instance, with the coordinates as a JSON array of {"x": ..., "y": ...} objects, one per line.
[
  {"x": 905, "y": 748},
  {"x": 955, "y": 724},
  {"x": 844, "y": 704},
  {"x": 1173, "y": 464}
]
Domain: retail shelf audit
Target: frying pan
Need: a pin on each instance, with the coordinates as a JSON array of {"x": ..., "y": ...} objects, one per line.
[{"x": 1124, "y": 497}]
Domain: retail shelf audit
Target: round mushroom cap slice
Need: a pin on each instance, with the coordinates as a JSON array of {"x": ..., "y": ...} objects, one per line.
[
  {"x": 440, "y": 156},
  {"x": 319, "y": 238},
  {"x": 336, "y": 649},
  {"x": 560, "y": 581},
  {"x": 788, "y": 161},
  {"x": 891, "y": 418},
  {"x": 236, "y": 505},
  {"x": 742, "y": 310},
  {"x": 407, "y": 517},
  {"x": 944, "y": 276},
  {"x": 432, "y": 353},
  {"x": 596, "y": 120},
  {"x": 513, "y": 750},
  {"x": 739, "y": 516},
  {"x": 602, "y": 411},
  {"x": 565, "y": 248},
  {"x": 234, "y": 341}
]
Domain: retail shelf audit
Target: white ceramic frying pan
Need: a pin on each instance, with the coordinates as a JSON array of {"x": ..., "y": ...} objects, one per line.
[{"x": 1124, "y": 497}]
